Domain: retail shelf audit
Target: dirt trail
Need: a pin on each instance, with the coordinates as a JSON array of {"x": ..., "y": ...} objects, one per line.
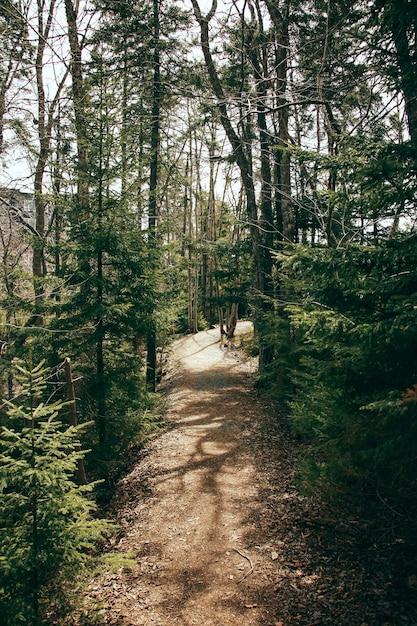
[
  {"x": 220, "y": 533},
  {"x": 194, "y": 494}
]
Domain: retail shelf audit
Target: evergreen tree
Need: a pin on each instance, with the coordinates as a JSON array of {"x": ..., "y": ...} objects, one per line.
[
  {"x": 352, "y": 365},
  {"x": 47, "y": 531}
]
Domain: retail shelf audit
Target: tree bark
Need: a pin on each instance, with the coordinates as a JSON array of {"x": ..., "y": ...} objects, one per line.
[
  {"x": 44, "y": 125},
  {"x": 153, "y": 185},
  {"x": 280, "y": 20},
  {"x": 79, "y": 96},
  {"x": 82, "y": 479},
  {"x": 402, "y": 19},
  {"x": 257, "y": 55}
]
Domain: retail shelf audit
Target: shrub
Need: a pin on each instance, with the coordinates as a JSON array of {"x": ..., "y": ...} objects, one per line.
[{"x": 352, "y": 316}]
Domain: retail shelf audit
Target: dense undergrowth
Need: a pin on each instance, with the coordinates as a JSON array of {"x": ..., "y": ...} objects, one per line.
[{"x": 345, "y": 365}]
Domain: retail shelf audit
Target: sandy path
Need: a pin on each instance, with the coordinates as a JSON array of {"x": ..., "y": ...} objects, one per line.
[{"x": 194, "y": 566}]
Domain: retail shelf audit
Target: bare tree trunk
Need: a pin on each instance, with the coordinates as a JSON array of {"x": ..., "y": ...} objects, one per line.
[
  {"x": 79, "y": 96},
  {"x": 82, "y": 479},
  {"x": 284, "y": 201},
  {"x": 99, "y": 332},
  {"x": 236, "y": 142},
  {"x": 44, "y": 125},
  {"x": 258, "y": 55},
  {"x": 2, "y": 111},
  {"x": 56, "y": 183},
  {"x": 153, "y": 184},
  {"x": 333, "y": 132}
]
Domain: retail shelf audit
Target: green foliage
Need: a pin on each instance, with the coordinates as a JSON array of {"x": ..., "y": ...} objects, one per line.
[
  {"x": 48, "y": 530},
  {"x": 354, "y": 363},
  {"x": 105, "y": 307},
  {"x": 274, "y": 330},
  {"x": 378, "y": 179},
  {"x": 234, "y": 273},
  {"x": 128, "y": 430}
]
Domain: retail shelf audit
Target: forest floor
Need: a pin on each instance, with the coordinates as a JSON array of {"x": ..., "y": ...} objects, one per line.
[{"x": 220, "y": 533}]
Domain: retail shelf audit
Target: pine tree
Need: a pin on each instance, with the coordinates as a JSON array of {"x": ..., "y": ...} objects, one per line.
[{"x": 47, "y": 529}]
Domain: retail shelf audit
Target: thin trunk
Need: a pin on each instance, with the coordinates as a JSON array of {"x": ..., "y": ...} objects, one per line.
[
  {"x": 333, "y": 132},
  {"x": 210, "y": 239},
  {"x": 190, "y": 241},
  {"x": 283, "y": 156},
  {"x": 124, "y": 132},
  {"x": 280, "y": 19},
  {"x": 153, "y": 184},
  {"x": 219, "y": 307},
  {"x": 101, "y": 385},
  {"x": 81, "y": 477},
  {"x": 185, "y": 207},
  {"x": 2, "y": 113},
  {"x": 139, "y": 173},
  {"x": 35, "y": 525},
  {"x": 101, "y": 390},
  {"x": 196, "y": 265},
  {"x": 44, "y": 126},
  {"x": 56, "y": 182},
  {"x": 79, "y": 97},
  {"x": 403, "y": 22}
]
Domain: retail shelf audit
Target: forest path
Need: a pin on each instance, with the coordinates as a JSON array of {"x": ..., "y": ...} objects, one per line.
[
  {"x": 219, "y": 532},
  {"x": 188, "y": 508}
]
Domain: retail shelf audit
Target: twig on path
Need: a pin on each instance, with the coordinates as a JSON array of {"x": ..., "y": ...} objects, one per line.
[{"x": 248, "y": 560}]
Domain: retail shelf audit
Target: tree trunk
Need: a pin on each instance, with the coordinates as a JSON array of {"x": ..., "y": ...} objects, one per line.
[
  {"x": 284, "y": 202},
  {"x": 402, "y": 20},
  {"x": 261, "y": 253},
  {"x": 232, "y": 320},
  {"x": 82, "y": 479},
  {"x": 79, "y": 97},
  {"x": 44, "y": 126},
  {"x": 153, "y": 184},
  {"x": 257, "y": 54}
]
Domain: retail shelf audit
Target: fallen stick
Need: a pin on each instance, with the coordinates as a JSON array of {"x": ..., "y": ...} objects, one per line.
[{"x": 248, "y": 560}]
